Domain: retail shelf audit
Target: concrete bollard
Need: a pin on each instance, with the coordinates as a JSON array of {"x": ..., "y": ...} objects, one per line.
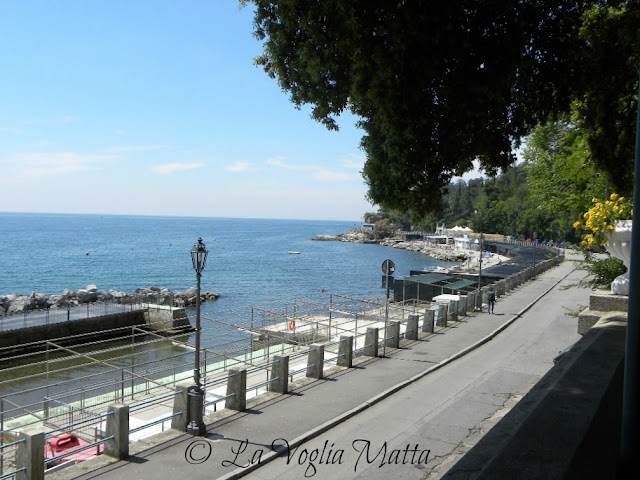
[
  {"x": 393, "y": 335},
  {"x": 30, "y": 456},
  {"x": 464, "y": 305},
  {"x": 371, "y": 342},
  {"x": 453, "y": 310},
  {"x": 427, "y": 324},
  {"x": 118, "y": 427},
  {"x": 237, "y": 389},
  {"x": 443, "y": 315},
  {"x": 412, "y": 328},
  {"x": 345, "y": 351},
  {"x": 279, "y": 374},
  {"x": 180, "y": 405},
  {"x": 471, "y": 302},
  {"x": 315, "y": 361},
  {"x": 479, "y": 300},
  {"x": 500, "y": 288}
]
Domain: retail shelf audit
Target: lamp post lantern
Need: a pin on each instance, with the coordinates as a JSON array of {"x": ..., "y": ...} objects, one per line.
[{"x": 196, "y": 424}]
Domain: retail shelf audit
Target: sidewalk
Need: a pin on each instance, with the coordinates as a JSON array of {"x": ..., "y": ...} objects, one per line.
[{"x": 238, "y": 442}]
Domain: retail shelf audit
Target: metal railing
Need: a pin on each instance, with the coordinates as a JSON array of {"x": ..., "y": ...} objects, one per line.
[{"x": 50, "y": 316}]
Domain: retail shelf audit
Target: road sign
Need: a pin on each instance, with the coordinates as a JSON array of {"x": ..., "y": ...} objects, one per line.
[{"x": 388, "y": 267}]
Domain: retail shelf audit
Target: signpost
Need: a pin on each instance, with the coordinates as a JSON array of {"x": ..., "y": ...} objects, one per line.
[{"x": 388, "y": 267}]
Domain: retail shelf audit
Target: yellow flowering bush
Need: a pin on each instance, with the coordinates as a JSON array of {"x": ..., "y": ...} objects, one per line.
[{"x": 600, "y": 218}]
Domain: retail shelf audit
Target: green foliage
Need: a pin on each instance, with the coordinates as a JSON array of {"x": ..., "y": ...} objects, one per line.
[
  {"x": 438, "y": 85},
  {"x": 561, "y": 174},
  {"x": 602, "y": 271},
  {"x": 382, "y": 229},
  {"x": 608, "y": 106}
]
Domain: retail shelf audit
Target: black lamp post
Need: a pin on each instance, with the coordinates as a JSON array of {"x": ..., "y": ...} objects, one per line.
[
  {"x": 480, "y": 272},
  {"x": 535, "y": 240},
  {"x": 196, "y": 425}
]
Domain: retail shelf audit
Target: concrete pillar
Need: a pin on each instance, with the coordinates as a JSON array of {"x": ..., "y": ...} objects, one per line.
[
  {"x": 180, "y": 404},
  {"x": 393, "y": 335},
  {"x": 500, "y": 288},
  {"x": 464, "y": 305},
  {"x": 315, "y": 361},
  {"x": 345, "y": 351},
  {"x": 412, "y": 327},
  {"x": 279, "y": 374},
  {"x": 30, "y": 456},
  {"x": 453, "y": 310},
  {"x": 427, "y": 324},
  {"x": 443, "y": 314},
  {"x": 371, "y": 342},
  {"x": 237, "y": 389},
  {"x": 118, "y": 427},
  {"x": 471, "y": 302},
  {"x": 479, "y": 300}
]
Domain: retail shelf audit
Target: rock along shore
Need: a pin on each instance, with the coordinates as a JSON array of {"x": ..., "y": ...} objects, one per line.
[
  {"x": 433, "y": 251},
  {"x": 14, "y": 303}
]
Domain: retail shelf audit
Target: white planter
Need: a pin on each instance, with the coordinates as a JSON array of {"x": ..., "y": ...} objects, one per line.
[{"x": 619, "y": 246}]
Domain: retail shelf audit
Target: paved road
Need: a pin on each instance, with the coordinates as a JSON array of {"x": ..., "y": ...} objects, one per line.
[
  {"x": 447, "y": 411},
  {"x": 440, "y": 412}
]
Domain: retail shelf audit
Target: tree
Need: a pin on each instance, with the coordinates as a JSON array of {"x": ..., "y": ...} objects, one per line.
[
  {"x": 440, "y": 84},
  {"x": 561, "y": 173}
]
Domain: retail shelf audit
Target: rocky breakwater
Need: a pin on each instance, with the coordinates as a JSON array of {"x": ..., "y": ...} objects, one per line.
[
  {"x": 15, "y": 303},
  {"x": 435, "y": 252},
  {"x": 354, "y": 236}
]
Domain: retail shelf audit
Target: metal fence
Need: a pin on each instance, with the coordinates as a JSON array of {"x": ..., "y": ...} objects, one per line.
[
  {"x": 49, "y": 316},
  {"x": 69, "y": 388}
]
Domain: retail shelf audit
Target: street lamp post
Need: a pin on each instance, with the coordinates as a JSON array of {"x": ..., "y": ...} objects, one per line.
[
  {"x": 480, "y": 273},
  {"x": 535, "y": 240},
  {"x": 196, "y": 424}
]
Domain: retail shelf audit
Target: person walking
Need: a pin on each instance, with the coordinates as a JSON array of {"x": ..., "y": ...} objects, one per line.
[{"x": 491, "y": 299}]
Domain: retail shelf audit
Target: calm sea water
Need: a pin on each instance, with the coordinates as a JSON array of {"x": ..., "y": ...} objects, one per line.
[{"x": 248, "y": 263}]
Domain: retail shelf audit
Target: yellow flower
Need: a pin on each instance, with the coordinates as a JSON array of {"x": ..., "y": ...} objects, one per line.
[
  {"x": 614, "y": 196},
  {"x": 577, "y": 224}
]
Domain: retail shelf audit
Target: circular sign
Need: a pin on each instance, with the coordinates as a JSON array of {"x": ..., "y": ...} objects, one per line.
[{"x": 388, "y": 267}]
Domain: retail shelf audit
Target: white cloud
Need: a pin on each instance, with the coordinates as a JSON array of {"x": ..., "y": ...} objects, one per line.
[
  {"x": 318, "y": 173},
  {"x": 11, "y": 130},
  {"x": 239, "y": 167},
  {"x": 51, "y": 164},
  {"x": 279, "y": 162},
  {"x": 176, "y": 167},
  {"x": 355, "y": 162},
  {"x": 137, "y": 148},
  {"x": 329, "y": 176}
]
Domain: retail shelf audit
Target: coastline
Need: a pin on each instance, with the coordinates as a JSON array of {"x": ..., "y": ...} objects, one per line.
[{"x": 468, "y": 260}]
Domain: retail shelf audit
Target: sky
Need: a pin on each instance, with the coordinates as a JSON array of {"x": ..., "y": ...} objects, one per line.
[{"x": 154, "y": 107}]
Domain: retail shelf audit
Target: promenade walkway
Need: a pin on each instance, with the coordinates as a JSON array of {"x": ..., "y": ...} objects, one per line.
[{"x": 239, "y": 443}]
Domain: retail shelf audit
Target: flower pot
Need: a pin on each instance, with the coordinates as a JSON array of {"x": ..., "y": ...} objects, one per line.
[{"x": 619, "y": 246}]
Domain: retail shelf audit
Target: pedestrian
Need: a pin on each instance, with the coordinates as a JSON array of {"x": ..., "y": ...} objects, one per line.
[{"x": 491, "y": 299}]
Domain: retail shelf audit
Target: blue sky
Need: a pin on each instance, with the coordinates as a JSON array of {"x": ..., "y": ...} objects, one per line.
[{"x": 155, "y": 108}]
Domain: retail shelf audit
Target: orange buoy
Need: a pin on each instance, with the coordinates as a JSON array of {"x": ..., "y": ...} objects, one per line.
[{"x": 292, "y": 324}]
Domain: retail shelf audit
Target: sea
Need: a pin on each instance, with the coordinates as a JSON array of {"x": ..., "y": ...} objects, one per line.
[{"x": 248, "y": 262}]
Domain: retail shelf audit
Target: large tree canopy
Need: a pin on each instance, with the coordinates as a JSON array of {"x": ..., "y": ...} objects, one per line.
[{"x": 438, "y": 85}]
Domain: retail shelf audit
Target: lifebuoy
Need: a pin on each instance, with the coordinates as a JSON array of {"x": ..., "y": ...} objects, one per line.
[{"x": 292, "y": 324}]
